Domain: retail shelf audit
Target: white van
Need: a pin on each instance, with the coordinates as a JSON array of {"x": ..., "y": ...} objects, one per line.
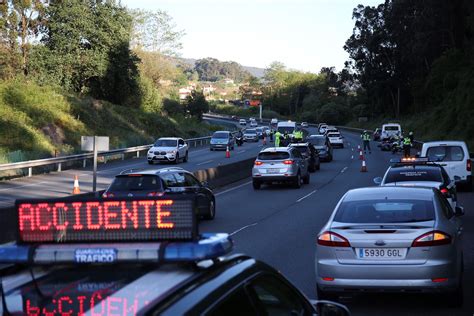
[
  {"x": 454, "y": 156},
  {"x": 287, "y": 126},
  {"x": 391, "y": 129}
]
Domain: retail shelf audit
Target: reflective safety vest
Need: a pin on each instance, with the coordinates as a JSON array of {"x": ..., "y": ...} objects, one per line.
[
  {"x": 407, "y": 141},
  {"x": 366, "y": 137}
]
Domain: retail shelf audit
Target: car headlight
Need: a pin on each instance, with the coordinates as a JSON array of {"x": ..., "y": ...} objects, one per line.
[{"x": 171, "y": 152}]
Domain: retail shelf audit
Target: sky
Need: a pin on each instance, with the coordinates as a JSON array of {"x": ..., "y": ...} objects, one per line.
[{"x": 303, "y": 34}]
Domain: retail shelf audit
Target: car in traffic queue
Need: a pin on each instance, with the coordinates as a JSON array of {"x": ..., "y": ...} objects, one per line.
[
  {"x": 242, "y": 122},
  {"x": 139, "y": 256},
  {"x": 260, "y": 132},
  {"x": 455, "y": 157},
  {"x": 390, "y": 130},
  {"x": 168, "y": 149},
  {"x": 391, "y": 239},
  {"x": 222, "y": 140},
  {"x": 266, "y": 130},
  {"x": 322, "y": 145},
  {"x": 419, "y": 172},
  {"x": 280, "y": 165},
  {"x": 310, "y": 153},
  {"x": 274, "y": 123},
  {"x": 166, "y": 182},
  {"x": 253, "y": 123},
  {"x": 304, "y": 124},
  {"x": 322, "y": 129},
  {"x": 250, "y": 135},
  {"x": 336, "y": 139}
]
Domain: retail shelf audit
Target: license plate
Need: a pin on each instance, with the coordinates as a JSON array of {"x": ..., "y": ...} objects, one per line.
[
  {"x": 381, "y": 253},
  {"x": 94, "y": 255},
  {"x": 273, "y": 170}
]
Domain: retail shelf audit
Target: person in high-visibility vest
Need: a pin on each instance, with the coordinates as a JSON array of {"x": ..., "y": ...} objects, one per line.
[
  {"x": 407, "y": 146},
  {"x": 366, "y": 140},
  {"x": 277, "y": 139},
  {"x": 299, "y": 136}
]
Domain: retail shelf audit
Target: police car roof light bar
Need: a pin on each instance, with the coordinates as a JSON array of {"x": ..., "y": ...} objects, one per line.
[{"x": 210, "y": 246}]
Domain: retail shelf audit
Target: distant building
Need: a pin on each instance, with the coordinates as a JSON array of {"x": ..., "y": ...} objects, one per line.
[
  {"x": 185, "y": 92},
  {"x": 165, "y": 83},
  {"x": 228, "y": 81},
  {"x": 208, "y": 89}
]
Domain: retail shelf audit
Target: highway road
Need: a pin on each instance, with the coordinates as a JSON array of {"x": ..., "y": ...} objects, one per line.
[{"x": 279, "y": 225}]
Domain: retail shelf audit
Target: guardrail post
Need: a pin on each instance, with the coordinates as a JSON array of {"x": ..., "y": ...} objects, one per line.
[
  {"x": 59, "y": 167},
  {"x": 123, "y": 156},
  {"x": 138, "y": 154},
  {"x": 84, "y": 163},
  {"x": 105, "y": 159},
  {"x": 30, "y": 172}
]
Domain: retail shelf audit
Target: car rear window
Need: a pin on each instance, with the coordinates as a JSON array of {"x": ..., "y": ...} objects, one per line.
[
  {"x": 385, "y": 211},
  {"x": 414, "y": 174},
  {"x": 445, "y": 153},
  {"x": 136, "y": 183},
  {"x": 391, "y": 128},
  {"x": 317, "y": 141},
  {"x": 279, "y": 155},
  {"x": 334, "y": 135},
  {"x": 166, "y": 143},
  {"x": 220, "y": 135}
]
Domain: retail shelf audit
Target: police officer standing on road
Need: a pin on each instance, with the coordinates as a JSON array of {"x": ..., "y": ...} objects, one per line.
[
  {"x": 407, "y": 146},
  {"x": 271, "y": 135},
  {"x": 366, "y": 139},
  {"x": 412, "y": 138},
  {"x": 277, "y": 139}
]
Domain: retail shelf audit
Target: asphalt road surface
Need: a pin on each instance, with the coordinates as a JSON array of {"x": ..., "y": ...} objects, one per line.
[{"x": 279, "y": 226}]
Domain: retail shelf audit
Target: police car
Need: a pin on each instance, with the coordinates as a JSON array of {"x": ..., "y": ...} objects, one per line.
[{"x": 135, "y": 256}]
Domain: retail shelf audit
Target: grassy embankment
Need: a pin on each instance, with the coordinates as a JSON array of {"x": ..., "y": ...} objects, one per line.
[{"x": 37, "y": 122}]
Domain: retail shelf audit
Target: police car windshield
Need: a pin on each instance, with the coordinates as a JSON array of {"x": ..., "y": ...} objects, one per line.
[
  {"x": 278, "y": 155},
  {"x": 166, "y": 143},
  {"x": 220, "y": 135},
  {"x": 136, "y": 183},
  {"x": 383, "y": 211},
  {"x": 317, "y": 141},
  {"x": 391, "y": 128},
  {"x": 414, "y": 173},
  {"x": 288, "y": 129}
]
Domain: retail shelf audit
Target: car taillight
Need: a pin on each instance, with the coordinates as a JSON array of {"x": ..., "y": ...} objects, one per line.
[
  {"x": 444, "y": 191},
  {"x": 433, "y": 238},
  {"x": 468, "y": 165},
  {"x": 332, "y": 239},
  {"x": 107, "y": 195},
  {"x": 288, "y": 162},
  {"x": 258, "y": 163},
  {"x": 155, "y": 194}
]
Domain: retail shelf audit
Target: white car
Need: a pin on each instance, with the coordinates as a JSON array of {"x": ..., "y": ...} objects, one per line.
[
  {"x": 253, "y": 123},
  {"x": 322, "y": 129},
  {"x": 454, "y": 156},
  {"x": 243, "y": 122},
  {"x": 304, "y": 124},
  {"x": 169, "y": 149},
  {"x": 335, "y": 139},
  {"x": 391, "y": 129}
]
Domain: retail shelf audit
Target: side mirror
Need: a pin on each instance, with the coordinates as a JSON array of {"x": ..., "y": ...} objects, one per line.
[
  {"x": 378, "y": 181},
  {"x": 459, "y": 211},
  {"x": 328, "y": 308}
]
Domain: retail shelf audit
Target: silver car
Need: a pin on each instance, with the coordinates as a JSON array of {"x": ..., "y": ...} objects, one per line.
[
  {"x": 391, "y": 239},
  {"x": 280, "y": 164},
  {"x": 250, "y": 135}
]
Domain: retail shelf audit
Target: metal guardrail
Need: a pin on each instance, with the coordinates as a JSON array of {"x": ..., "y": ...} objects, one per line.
[{"x": 192, "y": 142}]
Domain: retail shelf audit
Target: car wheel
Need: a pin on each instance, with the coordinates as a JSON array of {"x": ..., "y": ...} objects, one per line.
[
  {"x": 325, "y": 296},
  {"x": 186, "y": 157},
  {"x": 176, "y": 160},
  {"x": 150, "y": 162},
  {"x": 306, "y": 179},
  {"x": 256, "y": 185},
  {"x": 297, "y": 181},
  {"x": 212, "y": 210}
]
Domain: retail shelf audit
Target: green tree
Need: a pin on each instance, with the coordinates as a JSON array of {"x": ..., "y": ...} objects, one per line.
[{"x": 197, "y": 104}]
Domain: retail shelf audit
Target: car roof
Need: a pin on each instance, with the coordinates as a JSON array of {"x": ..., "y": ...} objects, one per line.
[
  {"x": 445, "y": 142},
  {"x": 152, "y": 171},
  {"x": 390, "y": 193},
  {"x": 222, "y": 132},
  {"x": 276, "y": 149},
  {"x": 415, "y": 165},
  {"x": 299, "y": 145},
  {"x": 316, "y": 136},
  {"x": 169, "y": 138}
]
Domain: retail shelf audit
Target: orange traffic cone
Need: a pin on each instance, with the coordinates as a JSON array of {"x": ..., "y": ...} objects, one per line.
[
  {"x": 227, "y": 152},
  {"x": 264, "y": 140},
  {"x": 76, "y": 189},
  {"x": 364, "y": 166},
  {"x": 361, "y": 155}
]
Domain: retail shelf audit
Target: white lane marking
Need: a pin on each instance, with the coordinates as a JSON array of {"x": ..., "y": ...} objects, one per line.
[
  {"x": 352, "y": 149},
  {"x": 242, "y": 228},
  {"x": 352, "y": 157},
  {"x": 242, "y": 151},
  {"x": 344, "y": 170},
  {"x": 204, "y": 162},
  {"x": 306, "y": 196},
  {"x": 232, "y": 189}
]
